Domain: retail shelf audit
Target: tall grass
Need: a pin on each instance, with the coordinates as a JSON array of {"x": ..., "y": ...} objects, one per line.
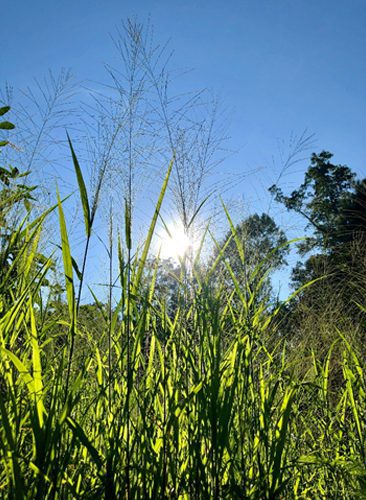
[{"x": 201, "y": 402}]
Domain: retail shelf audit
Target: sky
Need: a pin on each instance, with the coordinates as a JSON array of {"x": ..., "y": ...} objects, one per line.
[{"x": 277, "y": 67}]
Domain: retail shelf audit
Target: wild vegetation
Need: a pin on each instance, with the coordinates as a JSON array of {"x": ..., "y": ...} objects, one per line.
[
  {"x": 206, "y": 399},
  {"x": 191, "y": 379}
]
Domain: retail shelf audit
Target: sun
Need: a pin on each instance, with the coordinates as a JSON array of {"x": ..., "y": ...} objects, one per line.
[{"x": 174, "y": 242}]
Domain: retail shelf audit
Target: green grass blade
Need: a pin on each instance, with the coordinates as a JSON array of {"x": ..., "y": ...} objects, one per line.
[
  {"x": 37, "y": 365},
  {"x": 67, "y": 261},
  {"x": 152, "y": 227},
  {"x": 82, "y": 190}
]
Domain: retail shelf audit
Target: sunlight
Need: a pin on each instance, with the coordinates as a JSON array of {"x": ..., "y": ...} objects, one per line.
[{"x": 175, "y": 244}]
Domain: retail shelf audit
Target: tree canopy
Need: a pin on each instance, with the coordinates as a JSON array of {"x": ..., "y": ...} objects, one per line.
[
  {"x": 321, "y": 199},
  {"x": 252, "y": 250}
]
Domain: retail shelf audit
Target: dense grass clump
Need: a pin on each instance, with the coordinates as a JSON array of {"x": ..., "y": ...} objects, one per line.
[{"x": 200, "y": 402}]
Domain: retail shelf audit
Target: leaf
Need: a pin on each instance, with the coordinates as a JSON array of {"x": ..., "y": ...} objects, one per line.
[
  {"x": 3, "y": 143},
  {"x": 6, "y": 126},
  {"x": 67, "y": 260},
  {"x": 99, "y": 305},
  {"x": 37, "y": 366},
  {"x": 4, "y": 110},
  {"x": 80, "y": 434},
  {"x": 8, "y": 430},
  {"x": 234, "y": 232},
  {"x": 149, "y": 372},
  {"x": 22, "y": 369},
  {"x": 76, "y": 268},
  {"x": 166, "y": 227},
  {"x": 220, "y": 255},
  {"x": 152, "y": 226},
  {"x": 82, "y": 190},
  {"x": 99, "y": 368},
  {"x": 197, "y": 211},
  {"x": 278, "y": 445}
]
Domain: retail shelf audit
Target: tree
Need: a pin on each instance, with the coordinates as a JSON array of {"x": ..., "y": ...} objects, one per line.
[
  {"x": 352, "y": 224},
  {"x": 343, "y": 259},
  {"x": 326, "y": 201},
  {"x": 166, "y": 275},
  {"x": 332, "y": 202},
  {"x": 320, "y": 199},
  {"x": 258, "y": 245}
]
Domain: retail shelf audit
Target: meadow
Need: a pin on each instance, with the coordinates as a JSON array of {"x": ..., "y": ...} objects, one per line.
[{"x": 207, "y": 400}]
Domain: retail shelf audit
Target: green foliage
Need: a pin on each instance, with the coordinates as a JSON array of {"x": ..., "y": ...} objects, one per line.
[
  {"x": 168, "y": 408},
  {"x": 261, "y": 239},
  {"x": 352, "y": 223},
  {"x": 333, "y": 203},
  {"x": 167, "y": 278},
  {"x": 253, "y": 249},
  {"x": 320, "y": 199},
  {"x": 12, "y": 192},
  {"x": 82, "y": 189},
  {"x": 19, "y": 258}
]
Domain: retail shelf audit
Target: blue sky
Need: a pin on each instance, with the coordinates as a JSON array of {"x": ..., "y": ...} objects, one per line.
[{"x": 278, "y": 67}]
